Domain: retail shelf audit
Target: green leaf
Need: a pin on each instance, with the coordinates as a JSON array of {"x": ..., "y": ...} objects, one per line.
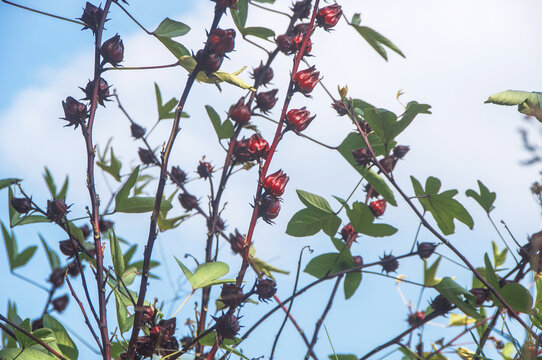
[
  {"x": 116, "y": 254},
  {"x": 64, "y": 189},
  {"x": 498, "y": 257},
  {"x": 112, "y": 167},
  {"x": 189, "y": 63},
  {"x": 52, "y": 256},
  {"x": 413, "y": 109},
  {"x": 430, "y": 272},
  {"x": 129, "y": 254},
  {"x": 442, "y": 206},
  {"x": 50, "y": 182},
  {"x": 125, "y": 322},
  {"x": 485, "y": 198},
  {"x": 377, "y": 41},
  {"x": 29, "y": 219},
  {"x": 11, "y": 246},
  {"x": 529, "y": 103},
  {"x": 177, "y": 49},
  {"x": 171, "y": 28},
  {"x": 165, "y": 111},
  {"x": 343, "y": 357},
  {"x": 309, "y": 221},
  {"x": 356, "y": 19},
  {"x": 7, "y": 182},
  {"x": 239, "y": 14},
  {"x": 24, "y": 340},
  {"x": 329, "y": 263},
  {"x": 361, "y": 217},
  {"x": 226, "y": 344},
  {"x": 351, "y": 283},
  {"x": 223, "y": 130},
  {"x": 267, "y": 269},
  {"x": 25, "y": 354},
  {"x": 382, "y": 122},
  {"x": 381, "y": 187},
  {"x": 518, "y": 297},
  {"x": 313, "y": 200},
  {"x": 185, "y": 270},
  {"x": 124, "y": 191},
  {"x": 137, "y": 204},
  {"x": 207, "y": 274},
  {"x": 65, "y": 343},
  {"x": 25, "y": 256},
  {"x": 257, "y": 31},
  {"x": 452, "y": 291}
]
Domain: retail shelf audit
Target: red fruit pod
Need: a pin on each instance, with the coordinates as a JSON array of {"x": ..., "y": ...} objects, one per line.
[
  {"x": 240, "y": 151},
  {"x": 60, "y": 303},
  {"x": 92, "y": 16},
  {"x": 75, "y": 112},
  {"x": 237, "y": 242},
  {"x": 265, "y": 289},
  {"x": 299, "y": 119},
  {"x": 56, "y": 209},
  {"x": 286, "y": 44},
  {"x": 240, "y": 113},
  {"x": 266, "y": 100},
  {"x": 269, "y": 208},
  {"x": 378, "y": 207},
  {"x": 21, "y": 205},
  {"x": 103, "y": 91},
  {"x": 205, "y": 169},
  {"x": 177, "y": 175},
  {"x": 348, "y": 234},
  {"x": 257, "y": 146},
  {"x": 306, "y": 80},
  {"x": 263, "y": 74},
  {"x": 221, "y": 41},
  {"x": 329, "y": 16},
  {"x": 112, "y": 50},
  {"x": 275, "y": 183}
]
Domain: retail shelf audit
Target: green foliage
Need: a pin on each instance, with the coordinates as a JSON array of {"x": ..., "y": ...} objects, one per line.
[
  {"x": 226, "y": 344},
  {"x": 169, "y": 29},
  {"x": 454, "y": 292},
  {"x": 317, "y": 216},
  {"x": 52, "y": 256},
  {"x": 207, "y": 274},
  {"x": 351, "y": 283},
  {"x": 528, "y": 102},
  {"x": 442, "y": 206},
  {"x": 136, "y": 204},
  {"x": 65, "y": 343},
  {"x": 16, "y": 259},
  {"x": 342, "y": 357},
  {"x": 485, "y": 198},
  {"x": 329, "y": 263},
  {"x": 499, "y": 257},
  {"x": 113, "y": 166},
  {"x": 361, "y": 217},
  {"x": 430, "y": 272},
  {"x": 8, "y": 182},
  {"x": 189, "y": 63},
  {"x": 258, "y": 31},
  {"x": 377, "y": 41},
  {"x": 167, "y": 110},
  {"x": 224, "y": 130},
  {"x": 267, "y": 269}
]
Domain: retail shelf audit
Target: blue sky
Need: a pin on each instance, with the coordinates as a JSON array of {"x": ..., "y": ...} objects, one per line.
[{"x": 457, "y": 55}]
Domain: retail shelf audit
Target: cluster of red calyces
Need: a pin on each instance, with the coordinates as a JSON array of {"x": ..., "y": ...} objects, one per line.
[
  {"x": 269, "y": 202},
  {"x": 219, "y": 42},
  {"x": 291, "y": 42},
  {"x": 253, "y": 148},
  {"x": 161, "y": 340}
]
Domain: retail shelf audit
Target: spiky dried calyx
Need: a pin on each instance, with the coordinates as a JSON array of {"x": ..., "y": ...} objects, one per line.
[
  {"x": 21, "y": 205},
  {"x": 56, "y": 209},
  {"x": 205, "y": 169},
  {"x": 426, "y": 249},
  {"x": 231, "y": 295},
  {"x": 389, "y": 263},
  {"x": 441, "y": 304},
  {"x": 416, "y": 318},
  {"x": 60, "y": 303},
  {"x": 227, "y": 326},
  {"x": 237, "y": 242},
  {"x": 265, "y": 289}
]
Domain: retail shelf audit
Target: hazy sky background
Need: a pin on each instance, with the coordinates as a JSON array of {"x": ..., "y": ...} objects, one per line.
[{"x": 457, "y": 54}]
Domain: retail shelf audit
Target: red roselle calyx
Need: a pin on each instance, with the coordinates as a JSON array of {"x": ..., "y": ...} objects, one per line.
[
  {"x": 416, "y": 318},
  {"x": 227, "y": 326},
  {"x": 67, "y": 247},
  {"x": 75, "y": 112},
  {"x": 91, "y": 17},
  {"x": 426, "y": 249},
  {"x": 223, "y": 4},
  {"x": 209, "y": 61},
  {"x": 389, "y": 263},
  {"x": 112, "y": 50},
  {"x": 138, "y": 131},
  {"x": 266, "y": 100},
  {"x": 240, "y": 151},
  {"x": 205, "y": 170},
  {"x": 275, "y": 183},
  {"x": 306, "y": 80},
  {"x": 237, "y": 242},
  {"x": 286, "y": 44},
  {"x": 257, "y": 147},
  {"x": 299, "y": 119},
  {"x": 263, "y": 74},
  {"x": 56, "y": 209},
  {"x": 231, "y": 295},
  {"x": 269, "y": 208},
  {"x": 378, "y": 207},
  {"x": 221, "y": 41},
  {"x": 265, "y": 289},
  {"x": 188, "y": 202},
  {"x": 177, "y": 175},
  {"x": 348, "y": 234},
  {"x": 340, "y": 107},
  {"x": 146, "y": 156},
  {"x": 302, "y": 9},
  {"x": 240, "y": 113},
  {"x": 103, "y": 91},
  {"x": 362, "y": 156},
  {"x": 21, "y": 205},
  {"x": 60, "y": 303},
  {"x": 329, "y": 16}
]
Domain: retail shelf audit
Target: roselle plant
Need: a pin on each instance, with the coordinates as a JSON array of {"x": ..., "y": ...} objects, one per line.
[{"x": 94, "y": 266}]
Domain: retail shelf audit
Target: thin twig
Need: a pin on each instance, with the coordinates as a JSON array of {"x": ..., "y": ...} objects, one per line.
[{"x": 44, "y": 13}]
